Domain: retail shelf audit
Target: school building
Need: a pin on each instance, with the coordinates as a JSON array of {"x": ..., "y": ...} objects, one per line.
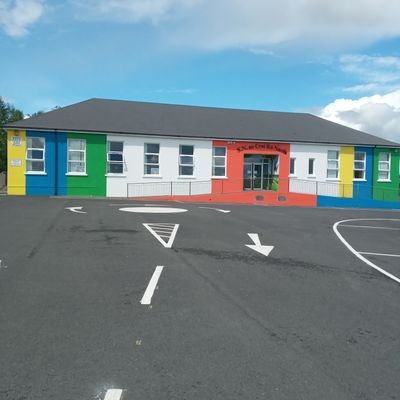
[{"x": 138, "y": 150}]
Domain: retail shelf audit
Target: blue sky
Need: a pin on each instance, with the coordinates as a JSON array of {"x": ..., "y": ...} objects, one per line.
[{"x": 334, "y": 59}]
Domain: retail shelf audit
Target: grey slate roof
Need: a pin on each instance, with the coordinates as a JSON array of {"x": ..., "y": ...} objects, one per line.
[{"x": 131, "y": 117}]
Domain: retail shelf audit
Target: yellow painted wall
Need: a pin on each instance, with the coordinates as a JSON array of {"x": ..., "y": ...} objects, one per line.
[
  {"x": 346, "y": 171},
  {"x": 16, "y": 167}
]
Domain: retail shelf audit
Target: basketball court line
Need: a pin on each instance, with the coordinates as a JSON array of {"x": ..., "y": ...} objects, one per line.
[{"x": 359, "y": 254}]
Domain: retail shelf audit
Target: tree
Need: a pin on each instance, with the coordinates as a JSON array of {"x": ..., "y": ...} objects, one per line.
[{"x": 8, "y": 113}]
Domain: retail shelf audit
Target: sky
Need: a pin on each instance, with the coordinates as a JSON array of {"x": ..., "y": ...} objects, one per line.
[{"x": 336, "y": 59}]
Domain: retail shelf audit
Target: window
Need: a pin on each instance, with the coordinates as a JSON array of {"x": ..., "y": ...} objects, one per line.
[
  {"x": 359, "y": 165},
  {"x": 311, "y": 167},
  {"x": 219, "y": 161},
  {"x": 186, "y": 160},
  {"x": 35, "y": 149},
  {"x": 76, "y": 156},
  {"x": 115, "y": 157},
  {"x": 384, "y": 167},
  {"x": 151, "y": 159},
  {"x": 333, "y": 164},
  {"x": 292, "y": 166}
]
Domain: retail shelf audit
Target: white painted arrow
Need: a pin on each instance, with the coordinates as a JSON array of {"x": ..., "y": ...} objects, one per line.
[
  {"x": 257, "y": 246},
  {"x": 217, "y": 209},
  {"x": 76, "y": 210}
]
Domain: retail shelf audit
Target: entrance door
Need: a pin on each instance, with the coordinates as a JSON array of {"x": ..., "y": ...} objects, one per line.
[
  {"x": 257, "y": 176},
  {"x": 248, "y": 176},
  {"x": 253, "y": 176},
  {"x": 259, "y": 172}
]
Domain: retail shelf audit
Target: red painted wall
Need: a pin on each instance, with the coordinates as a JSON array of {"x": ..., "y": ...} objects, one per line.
[
  {"x": 270, "y": 198},
  {"x": 235, "y": 161}
]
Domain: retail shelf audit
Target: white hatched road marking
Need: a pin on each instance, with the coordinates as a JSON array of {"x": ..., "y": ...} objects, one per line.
[
  {"x": 379, "y": 254},
  {"x": 358, "y": 254},
  {"x": 113, "y": 394},
  {"x": 148, "y": 294},
  {"x": 163, "y": 231}
]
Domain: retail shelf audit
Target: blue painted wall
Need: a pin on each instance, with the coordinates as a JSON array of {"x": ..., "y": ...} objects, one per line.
[
  {"x": 326, "y": 201},
  {"x": 43, "y": 184},
  {"x": 363, "y": 189},
  {"x": 61, "y": 139}
]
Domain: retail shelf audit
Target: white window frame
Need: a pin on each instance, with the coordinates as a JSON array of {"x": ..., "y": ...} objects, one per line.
[
  {"x": 218, "y": 166},
  {"x": 364, "y": 169},
  {"x": 109, "y": 162},
  {"x": 145, "y": 164},
  {"x": 294, "y": 166},
  {"x": 337, "y": 160},
  {"x": 43, "y": 159},
  {"x": 185, "y": 165},
  {"x": 312, "y": 175},
  {"x": 389, "y": 162},
  {"x": 69, "y": 162}
]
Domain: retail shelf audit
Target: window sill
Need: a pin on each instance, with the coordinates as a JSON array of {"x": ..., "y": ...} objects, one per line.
[
  {"x": 219, "y": 177},
  {"x": 384, "y": 180},
  {"x": 186, "y": 177},
  {"x": 152, "y": 176},
  {"x": 359, "y": 180},
  {"x": 333, "y": 179},
  {"x": 35, "y": 173},
  {"x": 116, "y": 175},
  {"x": 292, "y": 176},
  {"x": 76, "y": 174},
  {"x": 311, "y": 177}
]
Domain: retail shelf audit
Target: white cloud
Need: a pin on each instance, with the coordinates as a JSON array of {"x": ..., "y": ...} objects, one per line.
[
  {"x": 379, "y": 69},
  {"x": 378, "y": 114},
  {"x": 375, "y": 74},
  {"x": 225, "y": 24},
  {"x": 131, "y": 10},
  {"x": 16, "y": 16}
]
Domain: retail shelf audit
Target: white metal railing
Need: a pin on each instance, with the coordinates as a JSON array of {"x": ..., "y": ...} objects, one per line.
[
  {"x": 179, "y": 188},
  {"x": 315, "y": 187},
  {"x": 355, "y": 190}
]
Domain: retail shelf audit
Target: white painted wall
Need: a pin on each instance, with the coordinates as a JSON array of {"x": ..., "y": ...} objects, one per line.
[
  {"x": 169, "y": 168},
  {"x": 301, "y": 182}
]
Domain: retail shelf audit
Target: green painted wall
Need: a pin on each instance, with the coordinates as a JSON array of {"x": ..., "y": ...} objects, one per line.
[
  {"x": 94, "y": 184},
  {"x": 387, "y": 190}
]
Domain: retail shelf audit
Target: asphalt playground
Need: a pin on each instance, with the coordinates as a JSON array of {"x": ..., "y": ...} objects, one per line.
[{"x": 213, "y": 302}]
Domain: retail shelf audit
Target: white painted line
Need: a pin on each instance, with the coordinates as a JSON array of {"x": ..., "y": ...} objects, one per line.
[
  {"x": 163, "y": 229},
  {"x": 370, "y": 227},
  {"x": 161, "y": 234},
  {"x": 76, "y": 210},
  {"x": 379, "y": 254},
  {"x": 148, "y": 294},
  {"x": 153, "y": 210},
  {"x": 113, "y": 394},
  {"x": 172, "y": 238},
  {"x": 217, "y": 209},
  {"x": 356, "y": 253}
]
